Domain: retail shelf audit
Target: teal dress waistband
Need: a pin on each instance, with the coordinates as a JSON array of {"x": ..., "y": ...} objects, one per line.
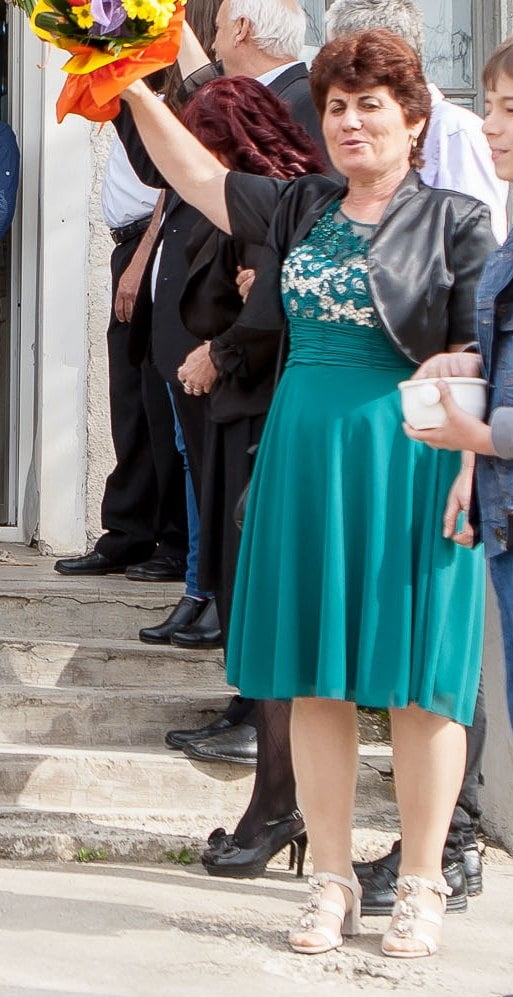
[{"x": 342, "y": 345}]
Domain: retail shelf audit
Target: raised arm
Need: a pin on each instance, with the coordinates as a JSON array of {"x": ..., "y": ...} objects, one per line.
[
  {"x": 196, "y": 175},
  {"x": 192, "y": 55}
]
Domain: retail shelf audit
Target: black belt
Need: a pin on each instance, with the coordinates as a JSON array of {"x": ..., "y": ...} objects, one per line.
[{"x": 127, "y": 232}]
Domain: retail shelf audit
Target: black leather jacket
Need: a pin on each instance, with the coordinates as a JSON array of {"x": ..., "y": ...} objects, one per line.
[{"x": 424, "y": 260}]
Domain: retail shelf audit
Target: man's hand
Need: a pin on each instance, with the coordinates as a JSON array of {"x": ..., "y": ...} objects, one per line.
[
  {"x": 450, "y": 365},
  {"x": 198, "y": 374},
  {"x": 460, "y": 432},
  {"x": 130, "y": 281},
  {"x": 126, "y": 293}
]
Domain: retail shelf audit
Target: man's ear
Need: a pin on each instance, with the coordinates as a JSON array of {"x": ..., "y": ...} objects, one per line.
[{"x": 243, "y": 30}]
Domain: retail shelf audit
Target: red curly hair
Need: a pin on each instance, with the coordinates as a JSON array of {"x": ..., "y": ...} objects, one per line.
[
  {"x": 362, "y": 60},
  {"x": 250, "y": 127}
]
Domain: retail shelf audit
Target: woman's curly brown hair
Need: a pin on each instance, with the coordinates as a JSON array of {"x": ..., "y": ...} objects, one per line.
[{"x": 365, "y": 59}]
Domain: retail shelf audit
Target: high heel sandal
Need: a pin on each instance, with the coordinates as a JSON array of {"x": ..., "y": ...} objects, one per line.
[
  {"x": 226, "y": 857},
  {"x": 409, "y": 911},
  {"x": 316, "y": 906}
]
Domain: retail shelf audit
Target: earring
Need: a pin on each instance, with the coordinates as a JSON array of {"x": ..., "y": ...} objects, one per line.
[{"x": 413, "y": 142}]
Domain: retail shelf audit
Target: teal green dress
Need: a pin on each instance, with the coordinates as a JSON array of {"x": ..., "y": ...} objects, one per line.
[{"x": 345, "y": 587}]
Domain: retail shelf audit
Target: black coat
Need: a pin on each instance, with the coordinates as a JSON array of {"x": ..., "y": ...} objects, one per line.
[
  {"x": 211, "y": 302},
  {"x": 169, "y": 338}
]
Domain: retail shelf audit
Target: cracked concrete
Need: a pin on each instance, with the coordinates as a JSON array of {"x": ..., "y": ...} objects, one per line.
[{"x": 171, "y": 932}]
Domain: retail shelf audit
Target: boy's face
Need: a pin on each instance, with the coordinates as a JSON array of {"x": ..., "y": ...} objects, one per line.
[{"x": 498, "y": 126}]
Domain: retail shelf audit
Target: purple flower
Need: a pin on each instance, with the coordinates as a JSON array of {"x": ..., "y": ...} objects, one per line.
[{"x": 108, "y": 15}]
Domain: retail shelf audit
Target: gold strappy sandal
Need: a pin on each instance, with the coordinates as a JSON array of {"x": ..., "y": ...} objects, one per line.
[
  {"x": 407, "y": 914},
  {"x": 317, "y": 905}
]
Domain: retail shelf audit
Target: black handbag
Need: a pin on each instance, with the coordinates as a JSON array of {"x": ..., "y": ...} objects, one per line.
[{"x": 240, "y": 506}]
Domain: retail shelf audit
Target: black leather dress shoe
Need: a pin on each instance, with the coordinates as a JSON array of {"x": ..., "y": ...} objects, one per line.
[
  {"x": 158, "y": 569},
  {"x": 177, "y": 739},
  {"x": 93, "y": 563},
  {"x": 204, "y": 633},
  {"x": 379, "y": 884},
  {"x": 186, "y": 611},
  {"x": 236, "y": 745},
  {"x": 473, "y": 869}
]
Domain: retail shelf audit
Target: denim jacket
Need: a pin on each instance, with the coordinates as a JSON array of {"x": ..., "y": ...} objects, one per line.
[{"x": 495, "y": 333}]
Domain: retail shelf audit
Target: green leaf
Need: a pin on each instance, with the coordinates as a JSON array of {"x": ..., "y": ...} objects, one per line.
[{"x": 48, "y": 21}]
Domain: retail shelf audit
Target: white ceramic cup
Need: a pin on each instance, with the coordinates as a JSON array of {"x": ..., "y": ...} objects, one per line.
[{"x": 421, "y": 405}]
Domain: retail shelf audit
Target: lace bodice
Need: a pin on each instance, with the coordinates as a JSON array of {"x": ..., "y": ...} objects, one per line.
[{"x": 325, "y": 277}]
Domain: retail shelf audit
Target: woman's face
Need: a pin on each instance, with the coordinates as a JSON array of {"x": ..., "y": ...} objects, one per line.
[
  {"x": 366, "y": 133},
  {"x": 498, "y": 126}
]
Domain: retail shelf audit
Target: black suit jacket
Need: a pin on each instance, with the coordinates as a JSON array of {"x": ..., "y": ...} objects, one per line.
[{"x": 293, "y": 86}]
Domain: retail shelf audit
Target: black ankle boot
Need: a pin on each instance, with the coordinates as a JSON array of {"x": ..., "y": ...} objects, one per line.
[{"x": 226, "y": 857}]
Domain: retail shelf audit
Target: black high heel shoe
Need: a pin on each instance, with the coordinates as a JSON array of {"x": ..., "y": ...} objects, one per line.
[{"x": 226, "y": 857}]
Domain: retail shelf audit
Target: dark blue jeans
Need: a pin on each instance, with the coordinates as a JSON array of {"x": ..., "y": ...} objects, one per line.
[
  {"x": 501, "y": 570},
  {"x": 193, "y": 520}
]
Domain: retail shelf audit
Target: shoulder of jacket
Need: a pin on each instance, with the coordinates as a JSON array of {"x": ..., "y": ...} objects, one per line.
[
  {"x": 463, "y": 203},
  {"x": 314, "y": 185}
]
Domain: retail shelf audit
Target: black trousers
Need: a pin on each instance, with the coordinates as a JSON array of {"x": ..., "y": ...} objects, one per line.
[
  {"x": 465, "y": 819},
  {"x": 144, "y": 499}
]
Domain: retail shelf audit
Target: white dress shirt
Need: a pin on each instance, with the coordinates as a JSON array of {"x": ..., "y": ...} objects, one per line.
[
  {"x": 458, "y": 157},
  {"x": 124, "y": 198},
  {"x": 272, "y": 74}
]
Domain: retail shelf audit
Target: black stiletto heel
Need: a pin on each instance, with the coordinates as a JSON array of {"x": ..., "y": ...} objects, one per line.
[
  {"x": 297, "y": 853},
  {"x": 301, "y": 844},
  {"x": 226, "y": 857}
]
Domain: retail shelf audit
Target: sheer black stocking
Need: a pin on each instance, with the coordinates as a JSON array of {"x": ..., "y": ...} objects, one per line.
[{"x": 274, "y": 792}]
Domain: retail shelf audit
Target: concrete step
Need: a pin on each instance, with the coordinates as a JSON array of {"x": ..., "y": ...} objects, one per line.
[
  {"x": 144, "y": 784},
  {"x": 55, "y": 801},
  {"x": 83, "y": 717},
  {"x": 106, "y": 663},
  {"x": 43, "y": 835},
  {"x": 49, "y": 605}
]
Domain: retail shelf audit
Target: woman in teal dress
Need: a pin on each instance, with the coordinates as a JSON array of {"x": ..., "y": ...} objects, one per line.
[
  {"x": 362, "y": 599},
  {"x": 347, "y": 593}
]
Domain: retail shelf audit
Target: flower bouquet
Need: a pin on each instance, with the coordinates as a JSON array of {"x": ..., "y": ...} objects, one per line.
[{"x": 111, "y": 43}]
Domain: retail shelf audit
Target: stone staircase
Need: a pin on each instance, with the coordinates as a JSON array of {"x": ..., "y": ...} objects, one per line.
[{"x": 84, "y": 707}]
